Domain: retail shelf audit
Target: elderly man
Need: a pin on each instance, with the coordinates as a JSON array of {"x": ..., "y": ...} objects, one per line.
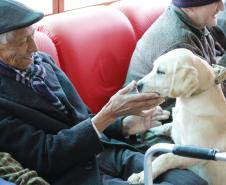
[
  {"x": 45, "y": 125},
  {"x": 185, "y": 24}
]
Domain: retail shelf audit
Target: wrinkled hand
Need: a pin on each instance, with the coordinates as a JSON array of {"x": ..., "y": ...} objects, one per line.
[
  {"x": 138, "y": 124},
  {"x": 124, "y": 104}
]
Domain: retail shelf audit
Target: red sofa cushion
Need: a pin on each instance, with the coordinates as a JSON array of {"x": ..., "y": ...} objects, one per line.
[
  {"x": 45, "y": 44},
  {"x": 94, "y": 47},
  {"x": 141, "y": 13}
]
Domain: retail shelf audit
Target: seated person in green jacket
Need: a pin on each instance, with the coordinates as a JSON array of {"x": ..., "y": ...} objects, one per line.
[{"x": 46, "y": 126}]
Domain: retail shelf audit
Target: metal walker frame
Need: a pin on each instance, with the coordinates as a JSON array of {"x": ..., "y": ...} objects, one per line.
[{"x": 182, "y": 150}]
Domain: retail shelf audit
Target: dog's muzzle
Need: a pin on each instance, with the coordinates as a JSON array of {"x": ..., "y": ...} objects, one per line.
[{"x": 139, "y": 87}]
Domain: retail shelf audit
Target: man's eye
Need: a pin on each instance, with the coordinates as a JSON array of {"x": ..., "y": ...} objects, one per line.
[
  {"x": 160, "y": 72},
  {"x": 21, "y": 42}
]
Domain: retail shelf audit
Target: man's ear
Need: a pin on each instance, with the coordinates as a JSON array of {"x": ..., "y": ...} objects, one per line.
[
  {"x": 184, "y": 82},
  {"x": 187, "y": 10},
  {"x": 190, "y": 12}
]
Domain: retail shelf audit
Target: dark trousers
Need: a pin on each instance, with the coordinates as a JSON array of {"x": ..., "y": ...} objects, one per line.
[{"x": 117, "y": 165}]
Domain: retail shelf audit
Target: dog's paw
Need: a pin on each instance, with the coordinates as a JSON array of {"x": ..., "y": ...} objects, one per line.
[
  {"x": 136, "y": 178},
  {"x": 162, "y": 130}
]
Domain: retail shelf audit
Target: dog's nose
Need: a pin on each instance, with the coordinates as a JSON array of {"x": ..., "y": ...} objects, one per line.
[{"x": 140, "y": 87}]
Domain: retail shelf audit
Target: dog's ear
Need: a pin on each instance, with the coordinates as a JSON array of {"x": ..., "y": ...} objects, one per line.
[{"x": 184, "y": 82}]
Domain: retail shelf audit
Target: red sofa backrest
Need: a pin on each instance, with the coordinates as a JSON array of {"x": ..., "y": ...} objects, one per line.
[
  {"x": 94, "y": 45},
  {"x": 45, "y": 44},
  {"x": 141, "y": 13}
]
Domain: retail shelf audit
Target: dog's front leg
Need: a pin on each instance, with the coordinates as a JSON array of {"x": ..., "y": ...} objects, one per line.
[
  {"x": 169, "y": 161},
  {"x": 162, "y": 164}
]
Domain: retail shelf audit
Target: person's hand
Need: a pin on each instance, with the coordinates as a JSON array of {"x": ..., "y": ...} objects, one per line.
[
  {"x": 138, "y": 124},
  {"x": 124, "y": 104}
]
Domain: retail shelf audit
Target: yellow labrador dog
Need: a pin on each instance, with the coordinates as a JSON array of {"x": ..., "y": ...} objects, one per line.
[{"x": 198, "y": 116}]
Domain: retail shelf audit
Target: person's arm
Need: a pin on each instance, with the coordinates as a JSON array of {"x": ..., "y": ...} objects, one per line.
[
  {"x": 53, "y": 153},
  {"x": 48, "y": 154},
  {"x": 124, "y": 104},
  {"x": 115, "y": 130}
]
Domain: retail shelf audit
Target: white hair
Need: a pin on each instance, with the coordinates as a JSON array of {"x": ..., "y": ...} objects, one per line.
[{"x": 5, "y": 37}]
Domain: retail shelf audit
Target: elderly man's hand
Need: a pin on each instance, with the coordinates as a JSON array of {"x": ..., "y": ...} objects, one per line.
[
  {"x": 124, "y": 104},
  {"x": 138, "y": 124}
]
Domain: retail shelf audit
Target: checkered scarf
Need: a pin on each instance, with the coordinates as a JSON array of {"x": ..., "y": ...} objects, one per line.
[
  {"x": 33, "y": 77},
  {"x": 12, "y": 171}
]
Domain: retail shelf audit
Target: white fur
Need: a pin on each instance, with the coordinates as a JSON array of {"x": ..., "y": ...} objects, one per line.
[{"x": 198, "y": 116}]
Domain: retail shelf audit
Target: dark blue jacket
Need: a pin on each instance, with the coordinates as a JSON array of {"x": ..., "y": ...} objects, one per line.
[{"x": 60, "y": 148}]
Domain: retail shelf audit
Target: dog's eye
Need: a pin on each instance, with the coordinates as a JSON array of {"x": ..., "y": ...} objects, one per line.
[{"x": 160, "y": 72}]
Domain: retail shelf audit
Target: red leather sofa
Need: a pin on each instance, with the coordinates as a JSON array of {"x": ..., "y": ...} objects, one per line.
[{"x": 94, "y": 45}]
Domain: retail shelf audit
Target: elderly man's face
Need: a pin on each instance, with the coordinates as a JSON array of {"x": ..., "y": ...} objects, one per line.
[
  {"x": 17, "y": 52},
  {"x": 206, "y": 15}
]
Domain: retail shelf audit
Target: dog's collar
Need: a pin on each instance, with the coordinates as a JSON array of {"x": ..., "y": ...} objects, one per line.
[
  {"x": 197, "y": 92},
  {"x": 220, "y": 72}
]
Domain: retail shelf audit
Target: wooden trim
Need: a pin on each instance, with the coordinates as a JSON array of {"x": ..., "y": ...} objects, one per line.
[
  {"x": 55, "y": 6},
  {"x": 58, "y": 5},
  {"x": 81, "y": 4},
  {"x": 106, "y": 2},
  {"x": 61, "y": 5}
]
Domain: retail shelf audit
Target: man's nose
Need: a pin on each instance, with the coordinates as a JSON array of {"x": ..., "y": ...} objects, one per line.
[
  {"x": 221, "y": 5},
  {"x": 32, "y": 45}
]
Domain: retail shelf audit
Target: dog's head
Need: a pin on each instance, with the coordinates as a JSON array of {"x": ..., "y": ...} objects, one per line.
[{"x": 178, "y": 73}]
